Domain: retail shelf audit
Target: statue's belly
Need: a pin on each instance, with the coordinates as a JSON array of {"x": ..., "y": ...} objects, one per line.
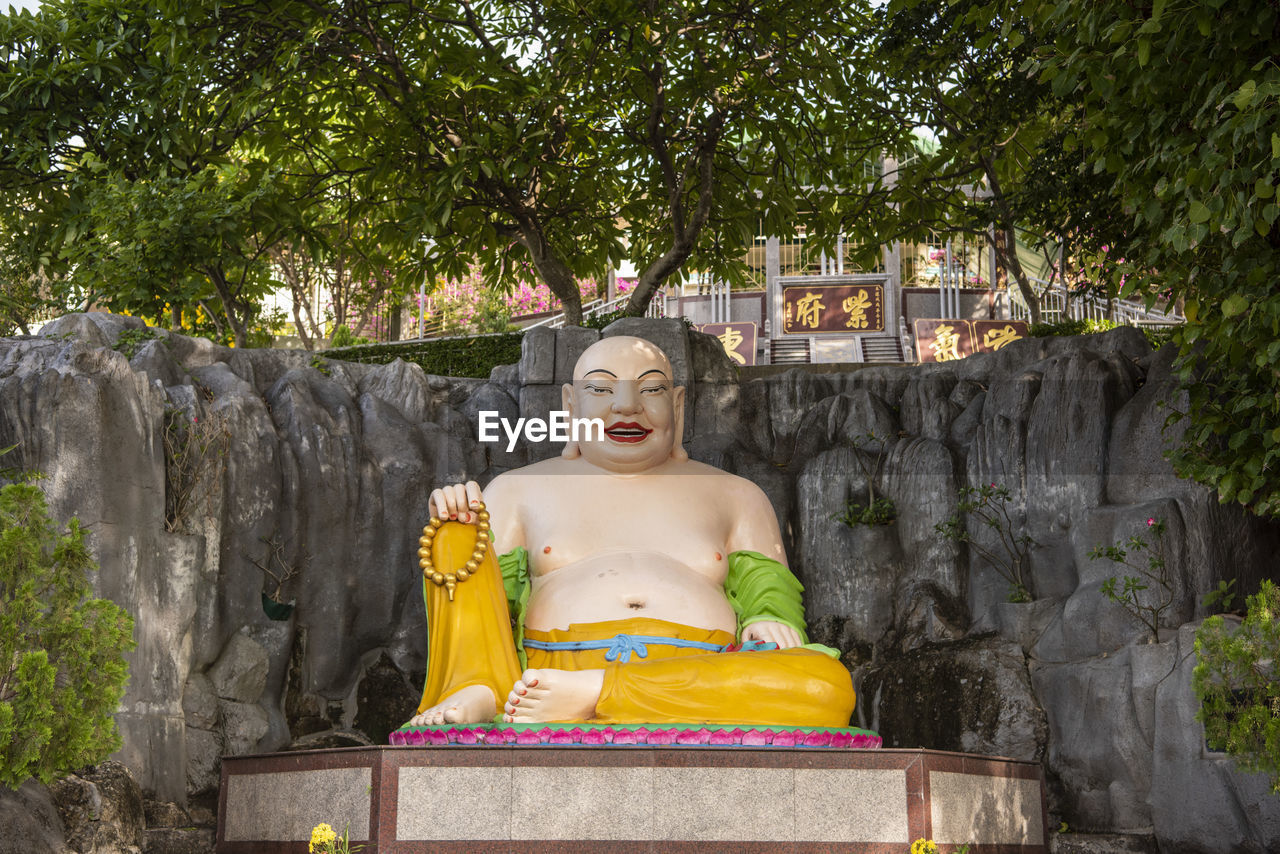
[{"x": 623, "y": 585}]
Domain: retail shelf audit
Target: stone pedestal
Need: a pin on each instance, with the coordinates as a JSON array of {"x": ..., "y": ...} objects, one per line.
[{"x": 634, "y": 799}]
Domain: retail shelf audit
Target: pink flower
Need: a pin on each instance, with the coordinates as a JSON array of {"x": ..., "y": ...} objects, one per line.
[{"x": 1150, "y": 522}]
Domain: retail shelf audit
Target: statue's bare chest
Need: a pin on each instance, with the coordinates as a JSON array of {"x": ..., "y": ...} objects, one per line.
[{"x": 591, "y": 516}]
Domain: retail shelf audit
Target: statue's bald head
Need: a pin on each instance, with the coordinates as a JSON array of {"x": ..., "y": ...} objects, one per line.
[
  {"x": 628, "y": 384},
  {"x": 611, "y": 355}
]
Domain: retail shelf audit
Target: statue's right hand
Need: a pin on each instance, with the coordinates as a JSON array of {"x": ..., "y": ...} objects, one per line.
[{"x": 458, "y": 502}]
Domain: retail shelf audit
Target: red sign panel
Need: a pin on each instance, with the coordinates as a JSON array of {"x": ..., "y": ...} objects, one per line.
[
  {"x": 738, "y": 340},
  {"x": 947, "y": 340},
  {"x": 944, "y": 340},
  {"x": 846, "y": 309},
  {"x": 991, "y": 335}
]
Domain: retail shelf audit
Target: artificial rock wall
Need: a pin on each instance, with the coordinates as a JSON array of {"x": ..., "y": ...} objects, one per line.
[{"x": 327, "y": 467}]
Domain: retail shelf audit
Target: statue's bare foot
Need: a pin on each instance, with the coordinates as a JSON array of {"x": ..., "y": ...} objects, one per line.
[
  {"x": 543, "y": 696},
  {"x": 472, "y": 705}
]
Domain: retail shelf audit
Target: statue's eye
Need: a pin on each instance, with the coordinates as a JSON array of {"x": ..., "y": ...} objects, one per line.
[
  {"x": 599, "y": 389},
  {"x": 657, "y": 389}
]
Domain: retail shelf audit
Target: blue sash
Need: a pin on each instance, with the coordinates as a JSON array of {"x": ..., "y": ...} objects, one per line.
[{"x": 620, "y": 647}]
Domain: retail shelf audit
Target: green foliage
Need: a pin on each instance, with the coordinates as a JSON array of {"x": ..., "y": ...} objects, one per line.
[
  {"x": 63, "y": 650},
  {"x": 874, "y": 511},
  {"x": 510, "y": 133},
  {"x": 603, "y": 319},
  {"x": 1221, "y": 598},
  {"x": 1157, "y": 337},
  {"x": 131, "y": 340},
  {"x": 988, "y": 507},
  {"x": 1177, "y": 106},
  {"x": 881, "y": 511},
  {"x": 1239, "y": 689},
  {"x": 475, "y": 356},
  {"x": 1130, "y": 591},
  {"x": 344, "y": 337},
  {"x": 988, "y": 160},
  {"x": 1070, "y": 327}
]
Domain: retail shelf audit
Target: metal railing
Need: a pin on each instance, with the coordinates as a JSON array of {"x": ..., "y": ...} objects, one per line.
[
  {"x": 597, "y": 307},
  {"x": 1058, "y": 304}
]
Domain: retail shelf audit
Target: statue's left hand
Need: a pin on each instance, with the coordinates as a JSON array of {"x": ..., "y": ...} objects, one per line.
[{"x": 770, "y": 632}]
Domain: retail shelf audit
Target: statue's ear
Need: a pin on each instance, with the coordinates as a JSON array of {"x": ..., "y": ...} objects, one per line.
[
  {"x": 677, "y": 444},
  {"x": 571, "y": 450}
]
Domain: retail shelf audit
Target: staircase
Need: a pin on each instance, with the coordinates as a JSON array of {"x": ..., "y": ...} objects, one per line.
[
  {"x": 789, "y": 351},
  {"x": 882, "y": 350}
]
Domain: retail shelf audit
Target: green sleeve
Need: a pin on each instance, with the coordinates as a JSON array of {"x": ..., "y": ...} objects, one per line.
[
  {"x": 515, "y": 581},
  {"x": 760, "y": 588}
]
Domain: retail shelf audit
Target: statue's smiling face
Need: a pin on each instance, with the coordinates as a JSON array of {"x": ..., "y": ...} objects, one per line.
[{"x": 627, "y": 384}]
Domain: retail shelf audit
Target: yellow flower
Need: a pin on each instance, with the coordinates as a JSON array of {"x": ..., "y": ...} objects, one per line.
[
  {"x": 924, "y": 846},
  {"x": 322, "y": 836}
]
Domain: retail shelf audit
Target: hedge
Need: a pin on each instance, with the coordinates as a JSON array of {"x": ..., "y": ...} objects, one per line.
[{"x": 464, "y": 356}]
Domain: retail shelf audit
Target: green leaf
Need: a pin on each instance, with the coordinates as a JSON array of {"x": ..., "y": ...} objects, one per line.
[
  {"x": 1244, "y": 95},
  {"x": 1144, "y": 51},
  {"x": 1234, "y": 305},
  {"x": 1198, "y": 213}
]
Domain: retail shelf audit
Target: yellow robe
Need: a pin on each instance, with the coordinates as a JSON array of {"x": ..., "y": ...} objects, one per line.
[{"x": 471, "y": 643}]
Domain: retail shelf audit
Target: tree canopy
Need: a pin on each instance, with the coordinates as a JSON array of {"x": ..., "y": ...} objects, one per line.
[
  {"x": 1178, "y": 106},
  {"x": 565, "y": 136}
]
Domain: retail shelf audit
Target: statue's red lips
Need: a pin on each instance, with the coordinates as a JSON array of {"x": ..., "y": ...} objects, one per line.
[{"x": 627, "y": 431}]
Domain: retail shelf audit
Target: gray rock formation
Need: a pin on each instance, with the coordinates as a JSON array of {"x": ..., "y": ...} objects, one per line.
[
  {"x": 30, "y": 820},
  {"x": 101, "y": 810},
  {"x": 316, "y": 484}
]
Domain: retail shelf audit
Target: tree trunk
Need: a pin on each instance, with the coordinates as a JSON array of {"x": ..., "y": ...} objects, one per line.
[
  {"x": 308, "y": 343},
  {"x": 229, "y": 308},
  {"x": 1007, "y": 250},
  {"x": 555, "y": 273}
]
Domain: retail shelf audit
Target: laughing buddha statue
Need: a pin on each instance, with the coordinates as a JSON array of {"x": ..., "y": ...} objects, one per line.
[{"x": 634, "y": 585}]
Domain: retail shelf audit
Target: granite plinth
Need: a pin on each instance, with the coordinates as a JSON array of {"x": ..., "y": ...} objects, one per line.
[{"x": 404, "y": 800}]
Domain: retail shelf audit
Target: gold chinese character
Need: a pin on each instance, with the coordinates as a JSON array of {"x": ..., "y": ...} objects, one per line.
[
  {"x": 857, "y": 308},
  {"x": 946, "y": 344},
  {"x": 731, "y": 339},
  {"x": 808, "y": 310},
  {"x": 997, "y": 338}
]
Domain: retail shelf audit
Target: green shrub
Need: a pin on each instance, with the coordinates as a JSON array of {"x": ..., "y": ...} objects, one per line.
[
  {"x": 1130, "y": 591},
  {"x": 1238, "y": 685},
  {"x": 1156, "y": 336},
  {"x": 130, "y": 341},
  {"x": 343, "y": 337},
  {"x": 62, "y": 668},
  {"x": 881, "y": 511},
  {"x": 475, "y": 356},
  {"x": 988, "y": 506},
  {"x": 1070, "y": 327}
]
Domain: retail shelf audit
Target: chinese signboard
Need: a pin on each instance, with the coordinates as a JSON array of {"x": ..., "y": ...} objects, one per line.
[
  {"x": 991, "y": 335},
  {"x": 738, "y": 340},
  {"x": 846, "y": 309},
  {"x": 948, "y": 340}
]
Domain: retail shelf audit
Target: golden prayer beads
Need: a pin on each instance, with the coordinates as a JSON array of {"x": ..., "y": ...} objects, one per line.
[{"x": 450, "y": 580}]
